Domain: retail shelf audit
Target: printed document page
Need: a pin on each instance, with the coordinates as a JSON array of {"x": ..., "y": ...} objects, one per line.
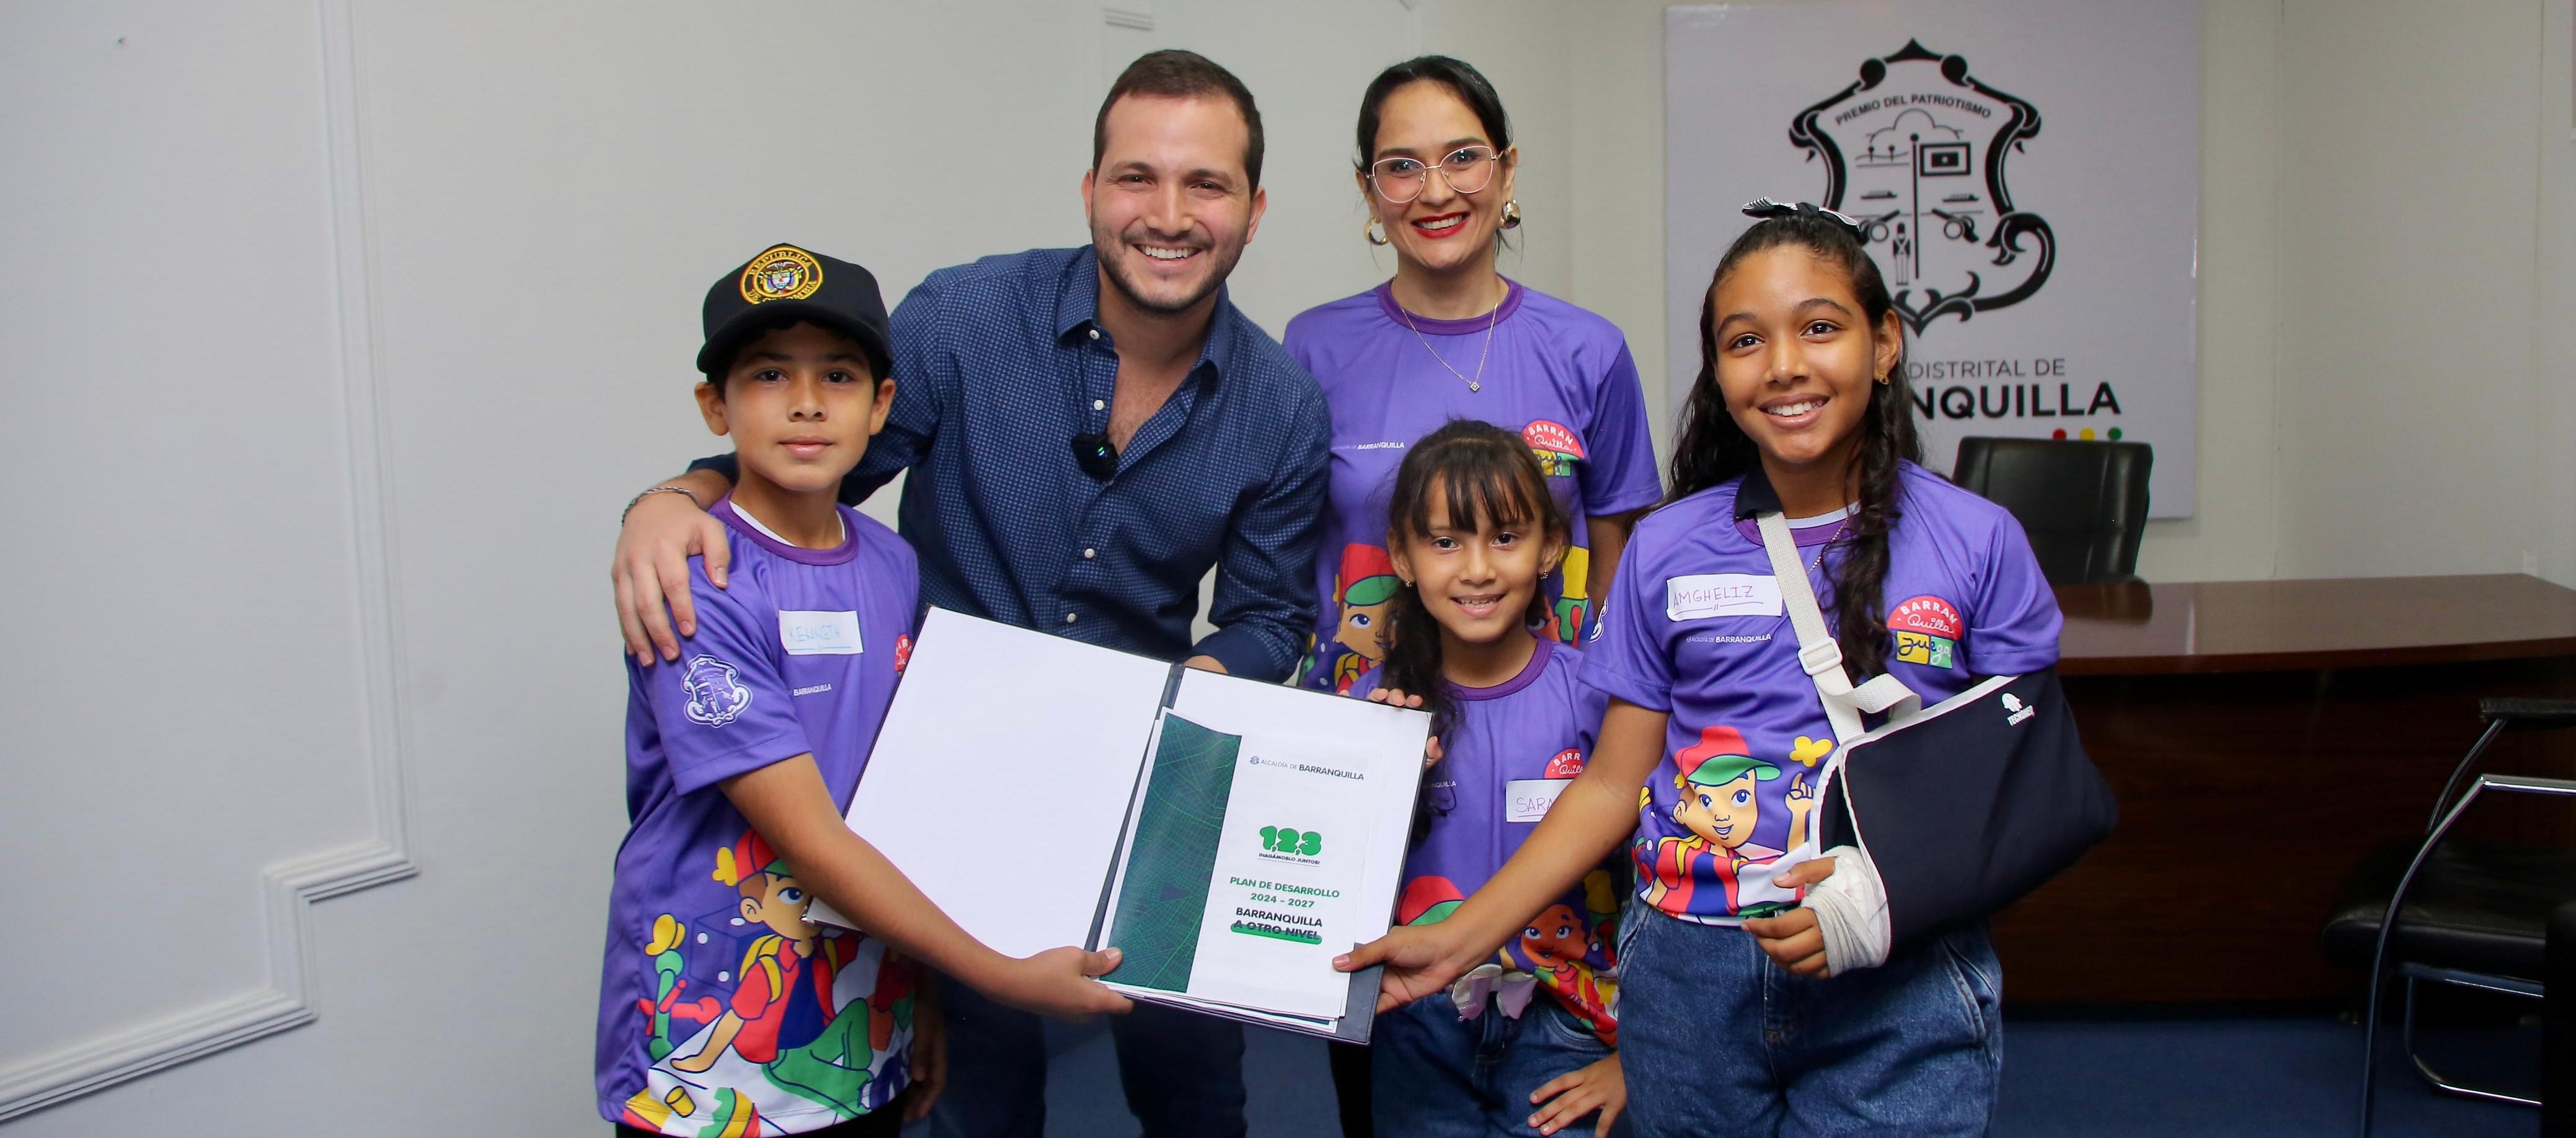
[
  {"x": 1279, "y": 719},
  {"x": 1001, "y": 776},
  {"x": 1262, "y": 848}
]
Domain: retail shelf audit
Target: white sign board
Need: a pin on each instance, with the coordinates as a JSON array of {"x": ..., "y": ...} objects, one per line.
[{"x": 2028, "y": 173}]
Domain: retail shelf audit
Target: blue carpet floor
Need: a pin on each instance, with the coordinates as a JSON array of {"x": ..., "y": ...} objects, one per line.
[{"x": 2111, "y": 1076}]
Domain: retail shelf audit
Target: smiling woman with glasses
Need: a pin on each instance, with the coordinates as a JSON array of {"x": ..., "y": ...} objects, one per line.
[{"x": 1450, "y": 338}]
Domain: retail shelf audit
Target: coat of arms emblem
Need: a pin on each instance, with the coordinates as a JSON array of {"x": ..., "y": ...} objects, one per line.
[{"x": 1915, "y": 151}]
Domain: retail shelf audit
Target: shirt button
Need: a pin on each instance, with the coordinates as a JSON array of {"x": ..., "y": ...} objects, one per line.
[
  {"x": 1088, "y": 554},
  {"x": 1095, "y": 333},
  {"x": 1069, "y": 618},
  {"x": 1099, "y": 404}
]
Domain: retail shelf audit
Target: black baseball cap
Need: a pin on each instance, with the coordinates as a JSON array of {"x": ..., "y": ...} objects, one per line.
[{"x": 784, "y": 285}]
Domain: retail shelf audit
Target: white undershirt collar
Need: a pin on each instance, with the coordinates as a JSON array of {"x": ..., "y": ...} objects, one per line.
[
  {"x": 1804, "y": 523},
  {"x": 843, "y": 527}
]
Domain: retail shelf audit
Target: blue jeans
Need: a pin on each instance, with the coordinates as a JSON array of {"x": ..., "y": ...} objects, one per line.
[
  {"x": 1432, "y": 1075},
  {"x": 1182, "y": 1071},
  {"x": 1718, "y": 1039}
]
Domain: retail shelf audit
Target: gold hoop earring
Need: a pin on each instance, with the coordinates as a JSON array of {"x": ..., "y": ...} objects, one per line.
[
  {"x": 1375, "y": 232},
  {"x": 1512, "y": 214}
]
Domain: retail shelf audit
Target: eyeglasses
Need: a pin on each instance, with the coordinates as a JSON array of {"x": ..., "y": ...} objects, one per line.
[{"x": 1466, "y": 169}]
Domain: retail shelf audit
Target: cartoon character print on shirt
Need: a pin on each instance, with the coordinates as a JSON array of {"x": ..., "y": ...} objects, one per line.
[
  {"x": 1427, "y": 900},
  {"x": 1560, "y": 455},
  {"x": 1568, "y": 621},
  {"x": 807, "y": 1027},
  {"x": 1555, "y": 948},
  {"x": 1719, "y": 803},
  {"x": 1559, "y": 947},
  {"x": 1927, "y": 631},
  {"x": 1568, "y": 953},
  {"x": 1365, "y": 585}
]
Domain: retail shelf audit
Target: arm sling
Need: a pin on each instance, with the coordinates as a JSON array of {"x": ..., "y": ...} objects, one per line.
[{"x": 1964, "y": 806}]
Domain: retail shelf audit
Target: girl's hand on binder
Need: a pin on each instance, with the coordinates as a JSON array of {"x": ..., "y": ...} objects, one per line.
[
  {"x": 1792, "y": 937},
  {"x": 1394, "y": 697},
  {"x": 1058, "y": 982},
  {"x": 1601, "y": 1086},
  {"x": 1419, "y": 960}
]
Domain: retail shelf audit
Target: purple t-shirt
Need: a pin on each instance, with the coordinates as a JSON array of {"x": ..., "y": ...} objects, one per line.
[
  {"x": 1695, "y": 627},
  {"x": 1557, "y": 375},
  {"x": 1509, "y": 751},
  {"x": 722, "y": 1008}
]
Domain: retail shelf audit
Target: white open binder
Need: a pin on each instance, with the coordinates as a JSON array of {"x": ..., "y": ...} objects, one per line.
[{"x": 1230, "y": 837}]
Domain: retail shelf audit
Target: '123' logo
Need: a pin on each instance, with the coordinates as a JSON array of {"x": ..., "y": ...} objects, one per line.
[{"x": 1281, "y": 839}]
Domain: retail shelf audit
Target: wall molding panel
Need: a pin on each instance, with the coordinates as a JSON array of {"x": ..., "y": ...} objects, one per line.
[{"x": 288, "y": 998}]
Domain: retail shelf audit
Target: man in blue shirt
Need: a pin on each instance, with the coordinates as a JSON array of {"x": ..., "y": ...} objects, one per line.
[{"x": 1089, "y": 431}]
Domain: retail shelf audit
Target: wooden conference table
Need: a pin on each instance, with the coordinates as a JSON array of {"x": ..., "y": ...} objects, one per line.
[{"x": 2261, "y": 735}]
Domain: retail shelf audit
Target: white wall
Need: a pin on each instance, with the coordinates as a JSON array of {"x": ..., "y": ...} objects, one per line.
[
  {"x": 2388, "y": 258},
  {"x": 336, "y": 332},
  {"x": 2409, "y": 212},
  {"x": 193, "y": 687},
  {"x": 2554, "y": 378}
]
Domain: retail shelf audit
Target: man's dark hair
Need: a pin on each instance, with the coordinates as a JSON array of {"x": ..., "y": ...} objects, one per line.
[{"x": 1175, "y": 74}]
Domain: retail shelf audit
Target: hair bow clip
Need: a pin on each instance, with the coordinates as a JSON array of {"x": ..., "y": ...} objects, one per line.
[{"x": 1766, "y": 209}]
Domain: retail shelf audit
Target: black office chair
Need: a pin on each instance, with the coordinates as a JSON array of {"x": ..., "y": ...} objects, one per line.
[
  {"x": 2084, "y": 504},
  {"x": 2471, "y": 914}
]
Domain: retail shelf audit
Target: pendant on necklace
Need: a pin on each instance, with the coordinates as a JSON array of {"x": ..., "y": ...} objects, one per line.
[{"x": 1473, "y": 387}]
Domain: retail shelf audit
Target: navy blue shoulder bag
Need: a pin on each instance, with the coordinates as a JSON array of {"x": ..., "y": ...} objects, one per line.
[{"x": 1964, "y": 806}]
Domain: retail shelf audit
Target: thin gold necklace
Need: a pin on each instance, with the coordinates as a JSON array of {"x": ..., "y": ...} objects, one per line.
[
  {"x": 1490, "y": 320},
  {"x": 1837, "y": 535}
]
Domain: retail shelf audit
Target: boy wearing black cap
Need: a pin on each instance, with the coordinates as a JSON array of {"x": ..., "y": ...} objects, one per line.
[{"x": 725, "y": 1007}]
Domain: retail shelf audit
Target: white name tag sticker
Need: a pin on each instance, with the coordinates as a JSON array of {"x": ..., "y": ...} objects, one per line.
[
  {"x": 1705, "y": 595},
  {"x": 1527, "y": 799},
  {"x": 818, "y": 633}
]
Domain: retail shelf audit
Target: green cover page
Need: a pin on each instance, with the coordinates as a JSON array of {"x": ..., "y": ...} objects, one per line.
[{"x": 1162, "y": 893}]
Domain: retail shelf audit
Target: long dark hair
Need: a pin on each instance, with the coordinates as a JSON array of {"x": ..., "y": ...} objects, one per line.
[
  {"x": 1487, "y": 475},
  {"x": 1713, "y": 447}
]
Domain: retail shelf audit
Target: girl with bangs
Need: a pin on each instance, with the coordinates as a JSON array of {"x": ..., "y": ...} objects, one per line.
[{"x": 1523, "y": 1042}]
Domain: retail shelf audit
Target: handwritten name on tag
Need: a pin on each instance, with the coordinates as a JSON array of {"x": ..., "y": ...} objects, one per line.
[
  {"x": 1705, "y": 595},
  {"x": 1527, "y": 799},
  {"x": 818, "y": 633}
]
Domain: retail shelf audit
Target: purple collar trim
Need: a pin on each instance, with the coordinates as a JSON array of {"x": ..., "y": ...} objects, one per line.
[
  {"x": 838, "y": 555},
  {"x": 1473, "y": 325},
  {"x": 1529, "y": 674},
  {"x": 1807, "y": 537}
]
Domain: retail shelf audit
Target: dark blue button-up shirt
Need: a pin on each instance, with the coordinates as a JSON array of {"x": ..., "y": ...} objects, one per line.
[{"x": 998, "y": 365}]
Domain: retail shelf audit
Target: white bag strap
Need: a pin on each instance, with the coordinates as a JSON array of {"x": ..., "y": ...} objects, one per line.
[{"x": 1818, "y": 653}]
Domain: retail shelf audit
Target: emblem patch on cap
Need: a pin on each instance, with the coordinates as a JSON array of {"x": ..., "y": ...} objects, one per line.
[{"x": 785, "y": 272}]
